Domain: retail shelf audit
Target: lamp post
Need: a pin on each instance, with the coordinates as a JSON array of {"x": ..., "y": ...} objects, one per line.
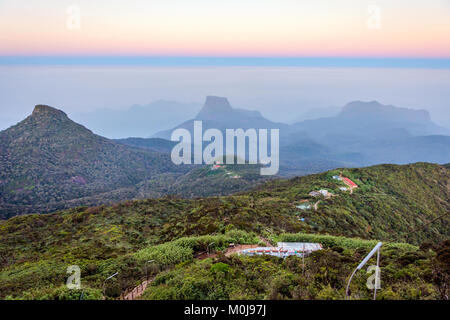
[
  {"x": 209, "y": 250},
  {"x": 146, "y": 269},
  {"x": 377, "y": 276},
  {"x": 104, "y": 282},
  {"x": 359, "y": 267},
  {"x": 303, "y": 258}
]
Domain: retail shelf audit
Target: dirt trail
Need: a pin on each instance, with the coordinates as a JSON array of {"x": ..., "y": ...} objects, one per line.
[
  {"x": 228, "y": 251},
  {"x": 238, "y": 248},
  {"x": 266, "y": 242},
  {"x": 316, "y": 204}
]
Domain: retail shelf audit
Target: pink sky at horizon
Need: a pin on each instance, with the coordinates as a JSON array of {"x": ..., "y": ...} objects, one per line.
[{"x": 415, "y": 28}]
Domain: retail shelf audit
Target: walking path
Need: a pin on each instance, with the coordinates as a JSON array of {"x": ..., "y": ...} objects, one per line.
[
  {"x": 137, "y": 291},
  {"x": 266, "y": 242},
  {"x": 316, "y": 204}
]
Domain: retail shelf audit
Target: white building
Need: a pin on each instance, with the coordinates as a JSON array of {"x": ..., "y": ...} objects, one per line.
[{"x": 284, "y": 249}]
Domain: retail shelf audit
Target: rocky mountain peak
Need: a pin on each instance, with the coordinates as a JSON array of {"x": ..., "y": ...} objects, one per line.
[
  {"x": 213, "y": 107},
  {"x": 44, "y": 111}
]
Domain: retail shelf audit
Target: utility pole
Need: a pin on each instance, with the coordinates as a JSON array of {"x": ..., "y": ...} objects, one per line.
[
  {"x": 377, "y": 276},
  {"x": 209, "y": 250},
  {"x": 104, "y": 282},
  {"x": 303, "y": 258},
  {"x": 146, "y": 269}
]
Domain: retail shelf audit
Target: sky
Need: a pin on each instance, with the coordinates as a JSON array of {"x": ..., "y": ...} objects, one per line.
[
  {"x": 320, "y": 28},
  {"x": 280, "y": 57}
]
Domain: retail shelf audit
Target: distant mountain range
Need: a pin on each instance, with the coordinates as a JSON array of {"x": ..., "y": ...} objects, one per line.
[
  {"x": 317, "y": 113},
  {"x": 49, "y": 162},
  {"x": 374, "y": 120},
  {"x": 138, "y": 120},
  {"x": 362, "y": 133}
]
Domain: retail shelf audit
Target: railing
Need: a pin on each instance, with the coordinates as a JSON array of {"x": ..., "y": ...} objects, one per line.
[{"x": 133, "y": 292}]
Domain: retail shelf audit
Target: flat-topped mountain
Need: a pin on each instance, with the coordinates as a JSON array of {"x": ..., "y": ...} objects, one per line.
[
  {"x": 215, "y": 108},
  {"x": 219, "y": 109},
  {"x": 48, "y": 113},
  {"x": 219, "y": 114}
]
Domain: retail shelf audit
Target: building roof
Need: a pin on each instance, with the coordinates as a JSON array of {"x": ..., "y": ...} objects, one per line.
[
  {"x": 349, "y": 182},
  {"x": 300, "y": 246},
  {"x": 284, "y": 249}
]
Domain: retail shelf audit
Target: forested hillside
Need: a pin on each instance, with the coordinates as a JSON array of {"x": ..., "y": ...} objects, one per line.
[
  {"x": 48, "y": 163},
  {"x": 392, "y": 203}
]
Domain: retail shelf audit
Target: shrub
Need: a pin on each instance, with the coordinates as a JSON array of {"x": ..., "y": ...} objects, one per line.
[{"x": 220, "y": 267}]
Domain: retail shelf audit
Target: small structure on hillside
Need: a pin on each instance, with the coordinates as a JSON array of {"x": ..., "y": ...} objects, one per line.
[
  {"x": 314, "y": 193},
  {"x": 349, "y": 182},
  {"x": 304, "y": 246},
  {"x": 304, "y": 206},
  {"x": 325, "y": 193},
  {"x": 321, "y": 192},
  {"x": 284, "y": 249}
]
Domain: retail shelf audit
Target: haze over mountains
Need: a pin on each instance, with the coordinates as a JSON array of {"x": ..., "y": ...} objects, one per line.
[
  {"x": 362, "y": 133},
  {"x": 138, "y": 120},
  {"x": 377, "y": 133},
  {"x": 49, "y": 162}
]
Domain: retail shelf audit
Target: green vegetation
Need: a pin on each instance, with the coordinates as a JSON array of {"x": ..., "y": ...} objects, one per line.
[
  {"x": 48, "y": 163},
  {"x": 204, "y": 182},
  {"x": 395, "y": 204},
  {"x": 391, "y": 203},
  {"x": 328, "y": 241},
  {"x": 407, "y": 273},
  {"x": 44, "y": 278}
]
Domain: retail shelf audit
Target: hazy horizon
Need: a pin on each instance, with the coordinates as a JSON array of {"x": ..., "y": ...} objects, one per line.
[
  {"x": 280, "y": 93},
  {"x": 281, "y": 58}
]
